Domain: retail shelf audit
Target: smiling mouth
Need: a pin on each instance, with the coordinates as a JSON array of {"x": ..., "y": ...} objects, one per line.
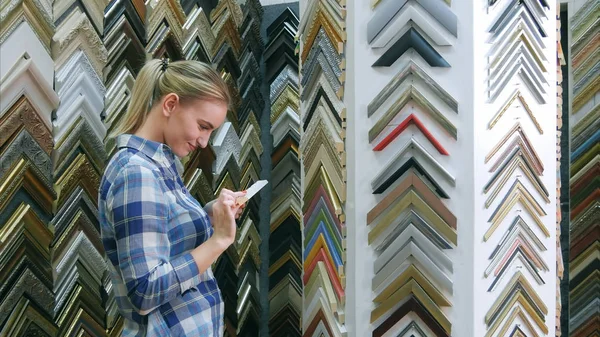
[{"x": 192, "y": 147}]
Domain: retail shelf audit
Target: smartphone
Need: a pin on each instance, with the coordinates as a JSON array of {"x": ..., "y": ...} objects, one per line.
[{"x": 251, "y": 191}]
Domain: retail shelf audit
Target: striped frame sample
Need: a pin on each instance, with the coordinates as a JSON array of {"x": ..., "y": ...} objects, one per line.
[
  {"x": 321, "y": 37},
  {"x": 584, "y": 172},
  {"x": 285, "y": 240}
]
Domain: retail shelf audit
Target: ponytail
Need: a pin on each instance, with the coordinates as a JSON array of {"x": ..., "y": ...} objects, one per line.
[{"x": 188, "y": 79}]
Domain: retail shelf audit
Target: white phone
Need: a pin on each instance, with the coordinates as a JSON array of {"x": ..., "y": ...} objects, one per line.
[{"x": 251, "y": 191}]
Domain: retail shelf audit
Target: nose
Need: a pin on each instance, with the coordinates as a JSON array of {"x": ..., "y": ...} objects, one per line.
[{"x": 203, "y": 142}]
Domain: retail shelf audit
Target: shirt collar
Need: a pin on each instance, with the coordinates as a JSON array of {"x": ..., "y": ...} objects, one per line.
[{"x": 159, "y": 152}]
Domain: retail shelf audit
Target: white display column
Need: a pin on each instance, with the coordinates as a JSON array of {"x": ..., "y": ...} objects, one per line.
[{"x": 451, "y": 158}]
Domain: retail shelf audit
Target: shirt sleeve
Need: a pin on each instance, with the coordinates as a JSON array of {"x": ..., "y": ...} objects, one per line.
[{"x": 140, "y": 214}]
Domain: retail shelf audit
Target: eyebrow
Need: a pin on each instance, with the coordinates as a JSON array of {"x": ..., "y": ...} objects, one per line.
[{"x": 209, "y": 124}]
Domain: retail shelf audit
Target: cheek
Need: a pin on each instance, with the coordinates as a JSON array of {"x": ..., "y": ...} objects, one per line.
[
  {"x": 189, "y": 129},
  {"x": 179, "y": 126},
  {"x": 178, "y": 131}
]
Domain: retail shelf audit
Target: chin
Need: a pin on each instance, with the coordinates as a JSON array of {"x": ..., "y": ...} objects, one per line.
[{"x": 182, "y": 153}]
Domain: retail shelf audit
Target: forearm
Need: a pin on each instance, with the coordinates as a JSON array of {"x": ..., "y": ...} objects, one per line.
[
  {"x": 208, "y": 252},
  {"x": 163, "y": 283},
  {"x": 156, "y": 288}
]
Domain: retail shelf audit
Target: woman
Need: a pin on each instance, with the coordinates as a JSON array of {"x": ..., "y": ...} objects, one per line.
[{"x": 158, "y": 238}]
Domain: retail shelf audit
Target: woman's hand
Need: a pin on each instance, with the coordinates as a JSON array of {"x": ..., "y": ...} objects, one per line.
[
  {"x": 224, "y": 212},
  {"x": 209, "y": 207}
]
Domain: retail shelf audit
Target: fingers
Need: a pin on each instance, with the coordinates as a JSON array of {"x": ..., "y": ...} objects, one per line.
[
  {"x": 233, "y": 208},
  {"x": 229, "y": 202},
  {"x": 238, "y": 194},
  {"x": 228, "y": 199},
  {"x": 240, "y": 211},
  {"x": 225, "y": 191}
]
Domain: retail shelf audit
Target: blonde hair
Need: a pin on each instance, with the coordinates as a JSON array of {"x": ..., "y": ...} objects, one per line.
[{"x": 188, "y": 79}]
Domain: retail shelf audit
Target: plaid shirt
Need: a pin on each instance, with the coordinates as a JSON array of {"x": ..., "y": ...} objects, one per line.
[{"x": 149, "y": 224}]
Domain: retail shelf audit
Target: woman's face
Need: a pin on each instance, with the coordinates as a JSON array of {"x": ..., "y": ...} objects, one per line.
[{"x": 190, "y": 124}]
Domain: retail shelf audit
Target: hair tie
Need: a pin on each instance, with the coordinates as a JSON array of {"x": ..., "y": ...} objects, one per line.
[{"x": 165, "y": 64}]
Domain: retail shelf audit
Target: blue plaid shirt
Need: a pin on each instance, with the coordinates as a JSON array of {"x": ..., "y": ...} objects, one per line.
[{"x": 149, "y": 224}]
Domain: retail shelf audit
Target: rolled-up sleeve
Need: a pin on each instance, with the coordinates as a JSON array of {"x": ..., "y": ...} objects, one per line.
[{"x": 140, "y": 214}]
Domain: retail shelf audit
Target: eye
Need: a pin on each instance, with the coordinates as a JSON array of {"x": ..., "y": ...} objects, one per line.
[{"x": 202, "y": 127}]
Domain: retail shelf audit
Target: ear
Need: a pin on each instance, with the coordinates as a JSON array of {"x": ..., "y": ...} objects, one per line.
[{"x": 169, "y": 103}]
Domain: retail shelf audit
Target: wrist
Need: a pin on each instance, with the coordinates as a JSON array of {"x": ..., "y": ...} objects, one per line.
[
  {"x": 208, "y": 252},
  {"x": 221, "y": 243}
]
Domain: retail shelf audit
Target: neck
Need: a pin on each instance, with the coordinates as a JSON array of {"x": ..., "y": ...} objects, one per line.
[{"x": 151, "y": 130}]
